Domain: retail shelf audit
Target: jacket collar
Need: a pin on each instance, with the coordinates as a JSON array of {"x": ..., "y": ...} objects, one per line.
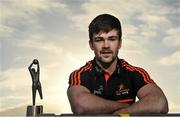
[{"x": 99, "y": 70}]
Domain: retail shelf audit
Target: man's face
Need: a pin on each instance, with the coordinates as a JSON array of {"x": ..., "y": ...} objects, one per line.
[{"x": 106, "y": 46}]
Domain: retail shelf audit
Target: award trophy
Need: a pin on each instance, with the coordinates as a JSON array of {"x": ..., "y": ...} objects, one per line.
[{"x": 35, "y": 110}]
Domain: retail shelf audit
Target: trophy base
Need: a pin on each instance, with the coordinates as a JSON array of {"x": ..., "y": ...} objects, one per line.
[{"x": 34, "y": 110}]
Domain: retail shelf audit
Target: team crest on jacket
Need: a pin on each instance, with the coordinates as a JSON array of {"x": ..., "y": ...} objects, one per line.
[
  {"x": 99, "y": 90},
  {"x": 121, "y": 90}
]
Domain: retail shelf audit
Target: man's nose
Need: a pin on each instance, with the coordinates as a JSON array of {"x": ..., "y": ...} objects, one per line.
[{"x": 106, "y": 44}]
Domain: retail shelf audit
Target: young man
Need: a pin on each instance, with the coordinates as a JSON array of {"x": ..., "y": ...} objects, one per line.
[{"x": 109, "y": 85}]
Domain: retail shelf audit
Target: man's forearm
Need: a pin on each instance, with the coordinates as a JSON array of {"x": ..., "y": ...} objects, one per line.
[
  {"x": 152, "y": 100},
  {"x": 149, "y": 104},
  {"x": 91, "y": 104}
]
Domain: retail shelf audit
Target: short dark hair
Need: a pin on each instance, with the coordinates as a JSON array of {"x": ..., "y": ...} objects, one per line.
[{"x": 104, "y": 23}]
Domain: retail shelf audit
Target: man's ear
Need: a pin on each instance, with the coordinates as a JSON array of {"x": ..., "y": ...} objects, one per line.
[{"x": 91, "y": 45}]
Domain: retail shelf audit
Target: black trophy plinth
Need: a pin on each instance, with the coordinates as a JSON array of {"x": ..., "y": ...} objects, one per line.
[{"x": 34, "y": 110}]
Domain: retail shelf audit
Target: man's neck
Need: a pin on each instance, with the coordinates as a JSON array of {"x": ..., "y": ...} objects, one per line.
[{"x": 109, "y": 67}]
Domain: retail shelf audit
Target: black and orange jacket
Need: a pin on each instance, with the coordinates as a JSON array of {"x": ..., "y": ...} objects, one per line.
[{"x": 121, "y": 86}]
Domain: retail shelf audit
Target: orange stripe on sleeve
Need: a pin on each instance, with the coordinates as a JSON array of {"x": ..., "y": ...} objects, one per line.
[
  {"x": 74, "y": 78},
  {"x": 84, "y": 69},
  {"x": 80, "y": 71},
  {"x": 132, "y": 69},
  {"x": 126, "y": 100},
  {"x": 145, "y": 77}
]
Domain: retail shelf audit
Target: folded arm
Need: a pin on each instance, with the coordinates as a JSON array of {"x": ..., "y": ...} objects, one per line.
[
  {"x": 151, "y": 100},
  {"x": 83, "y": 102}
]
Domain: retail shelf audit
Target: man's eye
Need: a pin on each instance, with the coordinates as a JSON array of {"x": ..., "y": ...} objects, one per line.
[
  {"x": 98, "y": 39},
  {"x": 112, "y": 39}
]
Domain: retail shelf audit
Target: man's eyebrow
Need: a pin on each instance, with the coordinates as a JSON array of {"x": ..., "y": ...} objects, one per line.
[
  {"x": 98, "y": 37},
  {"x": 113, "y": 36}
]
